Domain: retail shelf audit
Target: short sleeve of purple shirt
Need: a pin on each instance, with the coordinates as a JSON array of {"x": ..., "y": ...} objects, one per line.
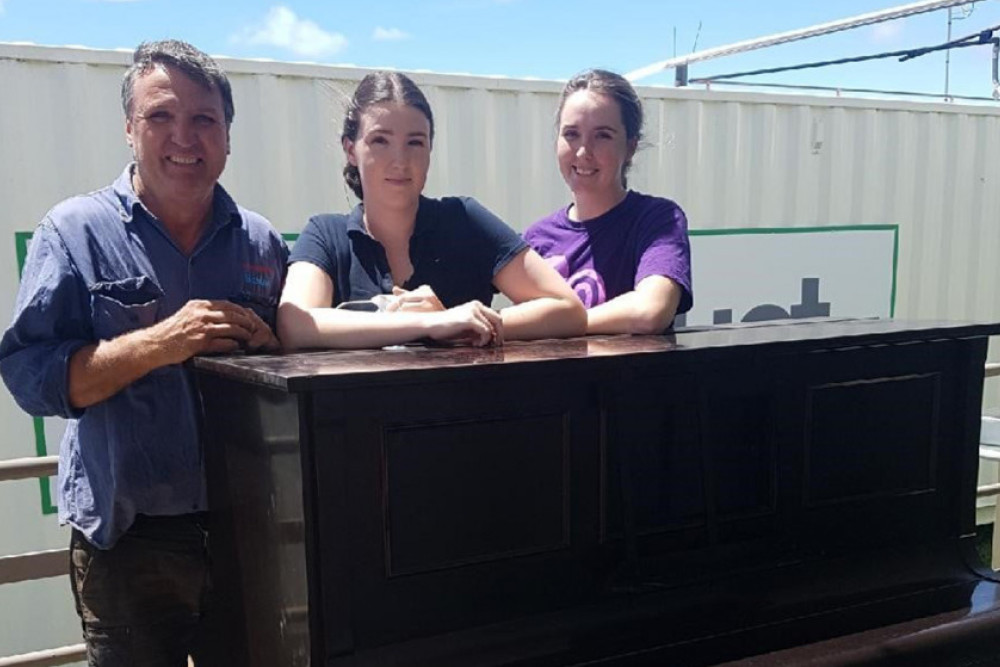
[{"x": 607, "y": 256}]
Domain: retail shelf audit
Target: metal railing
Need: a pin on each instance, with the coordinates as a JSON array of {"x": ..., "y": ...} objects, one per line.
[
  {"x": 36, "y": 565},
  {"x": 39, "y": 564},
  {"x": 48, "y": 658},
  {"x": 28, "y": 468},
  {"x": 989, "y": 451}
]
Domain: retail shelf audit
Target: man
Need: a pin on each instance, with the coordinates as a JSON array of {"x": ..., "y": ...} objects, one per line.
[{"x": 121, "y": 287}]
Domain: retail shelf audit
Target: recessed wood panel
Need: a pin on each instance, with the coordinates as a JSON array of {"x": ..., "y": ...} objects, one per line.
[
  {"x": 742, "y": 455},
  {"x": 653, "y": 467},
  {"x": 469, "y": 492},
  {"x": 872, "y": 437}
]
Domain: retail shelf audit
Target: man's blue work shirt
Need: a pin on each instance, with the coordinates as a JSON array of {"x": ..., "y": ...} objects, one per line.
[{"x": 99, "y": 266}]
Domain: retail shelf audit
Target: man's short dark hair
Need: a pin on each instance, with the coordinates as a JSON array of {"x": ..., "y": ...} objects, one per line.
[{"x": 198, "y": 66}]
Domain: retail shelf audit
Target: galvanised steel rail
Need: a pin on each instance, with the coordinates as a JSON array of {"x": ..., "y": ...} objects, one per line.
[
  {"x": 63, "y": 655},
  {"x": 36, "y": 565},
  {"x": 28, "y": 468}
]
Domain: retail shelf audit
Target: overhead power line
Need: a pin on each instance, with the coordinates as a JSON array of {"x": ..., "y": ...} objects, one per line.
[
  {"x": 978, "y": 39},
  {"x": 796, "y": 35}
]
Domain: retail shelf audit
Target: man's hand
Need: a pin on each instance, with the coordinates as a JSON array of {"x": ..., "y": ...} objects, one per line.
[
  {"x": 100, "y": 370},
  {"x": 262, "y": 339},
  {"x": 208, "y": 327}
]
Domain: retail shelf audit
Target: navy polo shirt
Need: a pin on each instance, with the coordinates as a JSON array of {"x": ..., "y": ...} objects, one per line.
[{"x": 457, "y": 248}]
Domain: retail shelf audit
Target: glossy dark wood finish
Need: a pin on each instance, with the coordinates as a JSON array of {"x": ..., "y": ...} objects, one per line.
[{"x": 734, "y": 493}]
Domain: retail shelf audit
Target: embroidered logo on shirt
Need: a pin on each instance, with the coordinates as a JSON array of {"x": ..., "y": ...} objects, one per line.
[{"x": 257, "y": 277}]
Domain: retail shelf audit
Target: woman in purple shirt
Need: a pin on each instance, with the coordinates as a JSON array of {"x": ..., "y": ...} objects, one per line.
[{"x": 625, "y": 254}]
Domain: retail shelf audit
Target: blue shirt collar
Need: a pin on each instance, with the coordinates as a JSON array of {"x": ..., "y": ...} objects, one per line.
[
  {"x": 356, "y": 224},
  {"x": 224, "y": 209}
]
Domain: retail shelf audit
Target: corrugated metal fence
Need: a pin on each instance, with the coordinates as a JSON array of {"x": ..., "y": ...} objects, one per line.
[{"x": 731, "y": 159}]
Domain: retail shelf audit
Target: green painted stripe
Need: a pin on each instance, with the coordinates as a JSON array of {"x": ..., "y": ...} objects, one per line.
[
  {"x": 895, "y": 266},
  {"x": 43, "y": 482},
  {"x": 47, "y": 506},
  {"x": 21, "y": 240},
  {"x": 793, "y": 230},
  {"x": 21, "y": 249},
  {"x": 45, "y": 488},
  {"x": 21, "y": 244}
]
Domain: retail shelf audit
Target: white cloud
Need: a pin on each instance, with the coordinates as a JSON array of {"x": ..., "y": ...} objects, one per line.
[
  {"x": 887, "y": 31},
  {"x": 282, "y": 28},
  {"x": 389, "y": 34},
  {"x": 473, "y": 4},
  {"x": 1, "y": 7}
]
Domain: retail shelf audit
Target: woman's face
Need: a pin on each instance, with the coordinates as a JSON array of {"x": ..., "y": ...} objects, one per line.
[
  {"x": 392, "y": 153},
  {"x": 592, "y": 147}
]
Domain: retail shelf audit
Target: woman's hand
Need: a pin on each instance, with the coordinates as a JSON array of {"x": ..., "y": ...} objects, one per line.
[
  {"x": 471, "y": 323},
  {"x": 306, "y": 320},
  {"x": 420, "y": 300}
]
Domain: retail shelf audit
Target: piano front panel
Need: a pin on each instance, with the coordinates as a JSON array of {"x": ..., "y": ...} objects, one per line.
[{"x": 464, "y": 492}]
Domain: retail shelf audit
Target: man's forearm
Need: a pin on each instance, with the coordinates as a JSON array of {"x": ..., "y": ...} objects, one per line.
[{"x": 100, "y": 370}]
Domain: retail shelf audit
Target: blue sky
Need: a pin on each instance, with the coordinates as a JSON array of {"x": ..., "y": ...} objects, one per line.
[{"x": 549, "y": 39}]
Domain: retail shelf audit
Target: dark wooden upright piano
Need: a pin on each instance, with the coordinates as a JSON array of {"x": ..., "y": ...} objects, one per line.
[{"x": 777, "y": 494}]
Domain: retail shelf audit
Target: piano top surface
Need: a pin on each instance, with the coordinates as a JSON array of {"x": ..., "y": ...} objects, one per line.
[{"x": 315, "y": 369}]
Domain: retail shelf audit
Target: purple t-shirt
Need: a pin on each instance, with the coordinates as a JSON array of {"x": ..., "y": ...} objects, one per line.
[{"x": 606, "y": 256}]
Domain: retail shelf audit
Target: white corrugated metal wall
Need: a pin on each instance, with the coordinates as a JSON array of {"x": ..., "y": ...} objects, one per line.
[{"x": 730, "y": 159}]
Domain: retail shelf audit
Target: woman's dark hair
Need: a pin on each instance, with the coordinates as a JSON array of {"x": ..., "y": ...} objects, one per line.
[
  {"x": 617, "y": 88},
  {"x": 379, "y": 88}
]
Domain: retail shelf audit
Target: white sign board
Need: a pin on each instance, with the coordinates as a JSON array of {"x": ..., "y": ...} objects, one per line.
[{"x": 766, "y": 274}]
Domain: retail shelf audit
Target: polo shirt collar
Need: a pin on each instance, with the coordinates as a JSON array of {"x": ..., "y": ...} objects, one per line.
[
  {"x": 424, "y": 218},
  {"x": 125, "y": 193},
  {"x": 356, "y": 222},
  {"x": 224, "y": 209}
]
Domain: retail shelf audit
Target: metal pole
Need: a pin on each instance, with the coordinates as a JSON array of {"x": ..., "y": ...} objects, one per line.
[
  {"x": 28, "y": 468},
  {"x": 49, "y": 658},
  {"x": 996, "y": 70},
  {"x": 34, "y": 566},
  {"x": 681, "y": 76},
  {"x": 947, "y": 56}
]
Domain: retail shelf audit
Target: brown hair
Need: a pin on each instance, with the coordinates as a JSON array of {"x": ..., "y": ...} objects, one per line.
[
  {"x": 195, "y": 64},
  {"x": 378, "y": 88},
  {"x": 617, "y": 88}
]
